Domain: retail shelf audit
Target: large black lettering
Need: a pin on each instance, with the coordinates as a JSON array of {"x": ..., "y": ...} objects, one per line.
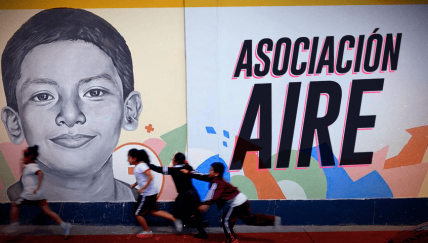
[
  {"x": 391, "y": 52},
  {"x": 260, "y": 102},
  {"x": 313, "y": 123},
  {"x": 288, "y": 124},
  {"x": 359, "y": 54},
  {"x": 355, "y": 121},
  {"x": 283, "y": 43},
  {"x": 264, "y": 58},
  {"x": 245, "y": 60},
  {"x": 351, "y": 40},
  {"x": 376, "y": 41},
  {"x": 327, "y": 56},
  {"x": 293, "y": 69}
]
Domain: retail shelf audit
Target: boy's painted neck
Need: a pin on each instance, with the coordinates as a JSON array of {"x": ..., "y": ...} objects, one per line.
[{"x": 99, "y": 186}]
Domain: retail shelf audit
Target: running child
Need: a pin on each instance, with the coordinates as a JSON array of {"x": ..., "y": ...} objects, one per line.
[
  {"x": 223, "y": 192},
  {"x": 32, "y": 193},
  {"x": 187, "y": 202},
  {"x": 146, "y": 202}
]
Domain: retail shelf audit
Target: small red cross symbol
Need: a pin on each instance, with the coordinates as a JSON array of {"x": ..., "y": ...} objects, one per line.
[{"x": 149, "y": 128}]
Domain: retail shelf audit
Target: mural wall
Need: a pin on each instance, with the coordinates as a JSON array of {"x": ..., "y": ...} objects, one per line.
[
  {"x": 86, "y": 86},
  {"x": 300, "y": 102},
  {"x": 316, "y": 102}
]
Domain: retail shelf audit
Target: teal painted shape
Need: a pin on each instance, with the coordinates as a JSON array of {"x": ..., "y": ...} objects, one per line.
[
  {"x": 245, "y": 185},
  {"x": 7, "y": 178},
  {"x": 175, "y": 142},
  {"x": 312, "y": 179}
]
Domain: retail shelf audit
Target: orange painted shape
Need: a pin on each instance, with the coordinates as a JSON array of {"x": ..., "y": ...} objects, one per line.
[
  {"x": 413, "y": 152},
  {"x": 358, "y": 172},
  {"x": 266, "y": 186},
  {"x": 149, "y": 128},
  {"x": 130, "y": 170},
  {"x": 406, "y": 181}
]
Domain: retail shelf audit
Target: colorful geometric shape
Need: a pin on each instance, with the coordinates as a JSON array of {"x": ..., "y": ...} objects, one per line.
[
  {"x": 202, "y": 186},
  {"x": 210, "y": 130},
  {"x": 244, "y": 185},
  {"x": 312, "y": 179},
  {"x": 266, "y": 186}
]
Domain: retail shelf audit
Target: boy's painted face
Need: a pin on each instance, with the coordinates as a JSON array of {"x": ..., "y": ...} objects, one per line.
[{"x": 70, "y": 101}]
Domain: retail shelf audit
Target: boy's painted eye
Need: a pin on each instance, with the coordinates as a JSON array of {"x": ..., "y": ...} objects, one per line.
[
  {"x": 42, "y": 97},
  {"x": 94, "y": 93}
]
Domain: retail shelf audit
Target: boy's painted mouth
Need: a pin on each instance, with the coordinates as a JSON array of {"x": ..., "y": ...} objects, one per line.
[{"x": 72, "y": 141}]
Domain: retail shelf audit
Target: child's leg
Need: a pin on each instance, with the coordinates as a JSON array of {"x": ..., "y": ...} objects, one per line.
[
  {"x": 142, "y": 221},
  {"x": 254, "y": 219},
  {"x": 47, "y": 210},
  {"x": 228, "y": 220},
  {"x": 162, "y": 214},
  {"x": 14, "y": 213},
  {"x": 165, "y": 215}
]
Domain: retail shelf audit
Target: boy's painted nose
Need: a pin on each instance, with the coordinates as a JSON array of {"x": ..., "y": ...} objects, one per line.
[{"x": 70, "y": 115}]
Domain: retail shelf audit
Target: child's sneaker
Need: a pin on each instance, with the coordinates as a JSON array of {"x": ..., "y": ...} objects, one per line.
[
  {"x": 178, "y": 225},
  {"x": 145, "y": 234},
  {"x": 277, "y": 221},
  {"x": 66, "y": 227},
  {"x": 12, "y": 228}
]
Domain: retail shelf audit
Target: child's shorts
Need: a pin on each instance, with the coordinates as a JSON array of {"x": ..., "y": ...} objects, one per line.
[
  {"x": 145, "y": 204},
  {"x": 22, "y": 201}
]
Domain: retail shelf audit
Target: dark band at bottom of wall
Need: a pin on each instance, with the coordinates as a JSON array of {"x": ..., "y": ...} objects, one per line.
[{"x": 406, "y": 211}]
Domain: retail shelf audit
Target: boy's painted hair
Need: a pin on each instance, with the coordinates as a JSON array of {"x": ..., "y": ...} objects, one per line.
[
  {"x": 63, "y": 24},
  {"x": 218, "y": 168},
  {"x": 141, "y": 155}
]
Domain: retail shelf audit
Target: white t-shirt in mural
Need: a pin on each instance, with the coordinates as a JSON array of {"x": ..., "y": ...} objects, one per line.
[
  {"x": 142, "y": 179},
  {"x": 30, "y": 182}
]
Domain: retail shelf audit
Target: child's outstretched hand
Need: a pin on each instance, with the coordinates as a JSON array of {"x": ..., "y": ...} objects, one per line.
[
  {"x": 133, "y": 185},
  {"x": 185, "y": 171}
]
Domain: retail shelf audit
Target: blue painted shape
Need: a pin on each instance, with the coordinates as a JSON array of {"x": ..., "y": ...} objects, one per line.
[
  {"x": 226, "y": 133},
  {"x": 341, "y": 186},
  {"x": 224, "y": 144},
  {"x": 202, "y": 186},
  {"x": 210, "y": 130}
]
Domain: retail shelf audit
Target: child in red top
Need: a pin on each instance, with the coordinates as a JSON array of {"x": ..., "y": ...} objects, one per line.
[{"x": 223, "y": 192}]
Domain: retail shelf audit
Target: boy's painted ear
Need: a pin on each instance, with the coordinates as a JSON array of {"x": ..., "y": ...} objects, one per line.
[
  {"x": 133, "y": 107},
  {"x": 12, "y": 123}
]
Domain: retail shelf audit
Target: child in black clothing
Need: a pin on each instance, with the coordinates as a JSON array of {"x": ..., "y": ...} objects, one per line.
[
  {"x": 222, "y": 192},
  {"x": 187, "y": 201}
]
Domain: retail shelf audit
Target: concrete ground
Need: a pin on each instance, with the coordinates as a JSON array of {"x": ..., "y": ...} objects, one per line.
[{"x": 288, "y": 234}]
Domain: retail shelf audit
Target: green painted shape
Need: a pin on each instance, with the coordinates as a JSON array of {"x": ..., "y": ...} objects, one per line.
[
  {"x": 175, "y": 142},
  {"x": 6, "y": 176},
  {"x": 245, "y": 185},
  {"x": 311, "y": 179}
]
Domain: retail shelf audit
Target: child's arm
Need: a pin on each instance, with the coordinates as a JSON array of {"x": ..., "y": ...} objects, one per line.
[
  {"x": 133, "y": 185},
  {"x": 164, "y": 170},
  {"x": 197, "y": 175},
  {"x": 149, "y": 180},
  {"x": 40, "y": 174},
  {"x": 213, "y": 195}
]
